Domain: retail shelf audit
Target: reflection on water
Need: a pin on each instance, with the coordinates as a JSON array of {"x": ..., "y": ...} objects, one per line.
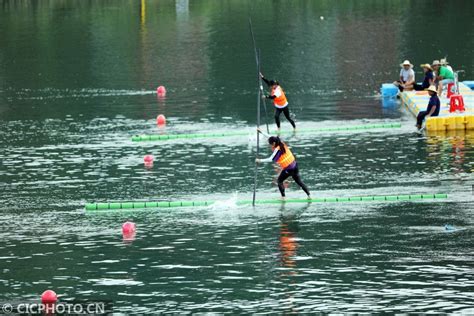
[{"x": 449, "y": 148}]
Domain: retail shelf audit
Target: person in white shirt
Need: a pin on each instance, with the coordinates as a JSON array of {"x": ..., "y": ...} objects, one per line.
[{"x": 407, "y": 77}]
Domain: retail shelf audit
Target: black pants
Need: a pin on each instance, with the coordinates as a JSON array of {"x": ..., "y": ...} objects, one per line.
[
  {"x": 420, "y": 118},
  {"x": 400, "y": 85},
  {"x": 295, "y": 174},
  {"x": 418, "y": 87},
  {"x": 287, "y": 115}
]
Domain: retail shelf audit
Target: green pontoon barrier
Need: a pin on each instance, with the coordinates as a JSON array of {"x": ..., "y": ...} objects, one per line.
[
  {"x": 165, "y": 204},
  {"x": 155, "y": 137}
]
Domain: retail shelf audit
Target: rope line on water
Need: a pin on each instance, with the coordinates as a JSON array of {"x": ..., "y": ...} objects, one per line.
[
  {"x": 158, "y": 137},
  {"x": 131, "y": 205}
]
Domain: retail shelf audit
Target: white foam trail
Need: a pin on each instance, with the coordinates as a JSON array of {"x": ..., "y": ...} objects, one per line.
[
  {"x": 52, "y": 93},
  {"x": 225, "y": 204}
]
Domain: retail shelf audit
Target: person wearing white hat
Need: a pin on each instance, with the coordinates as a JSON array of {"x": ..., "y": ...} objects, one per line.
[
  {"x": 433, "y": 108},
  {"x": 443, "y": 75},
  {"x": 407, "y": 76},
  {"x": 444, "y": 62}
]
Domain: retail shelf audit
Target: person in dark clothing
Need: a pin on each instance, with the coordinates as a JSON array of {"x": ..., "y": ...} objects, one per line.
[
  {"x": 427, "y": 81},
  {"x": 283, "y": 156},
  {"x": 279, "y": 101},
  {"x": 433, "y": 107}
]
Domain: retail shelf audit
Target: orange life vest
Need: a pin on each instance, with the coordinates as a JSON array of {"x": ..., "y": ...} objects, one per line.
[
  {"x": 280, "y": 101},
  {"x": 286, "y": 159}
]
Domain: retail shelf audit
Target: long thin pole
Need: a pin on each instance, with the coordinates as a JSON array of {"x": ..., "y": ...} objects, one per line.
[
  {"x": 262, "y": 93},
  {"x": 257, "y": 61},
  {"x": 257, "y": 152}
]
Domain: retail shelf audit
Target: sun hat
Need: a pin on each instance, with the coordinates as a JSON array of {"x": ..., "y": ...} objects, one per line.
[
  {"x": 444, "y": 61},
  {"x": 432, "y": 89},
  {"x": 436, "y": 63},
  {"x": 406, "y": 63},
  {"x": 426, "y": 66}
]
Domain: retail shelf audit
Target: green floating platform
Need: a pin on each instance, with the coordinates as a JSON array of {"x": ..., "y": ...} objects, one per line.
[
  {"x": 144, "y": 205},
  {"x": 155, "y": 137}
]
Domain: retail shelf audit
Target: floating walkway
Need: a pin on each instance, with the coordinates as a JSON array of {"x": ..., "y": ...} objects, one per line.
[
  {"x": 157, "y": 137},
  {"x": 417, "y": 101},
  {"x": 92, "y": 207}
]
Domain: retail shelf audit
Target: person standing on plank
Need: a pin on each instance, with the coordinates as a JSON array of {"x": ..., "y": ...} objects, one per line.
[
  {"x": 279, "y": 100},
  {"x": 433, "y": 107},
  {"x": 283, "y": 156}
]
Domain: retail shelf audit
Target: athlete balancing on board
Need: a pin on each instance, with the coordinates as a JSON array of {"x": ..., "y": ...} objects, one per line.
[
  {"x": 283, "y": 156},
  {"x": 279, "y": 101}
]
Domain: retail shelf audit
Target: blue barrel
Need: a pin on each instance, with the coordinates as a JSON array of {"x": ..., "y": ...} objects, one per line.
[
  {"x": 389, "y": 90},
  {"x": 469, "y": 83},
  {"x": 389, "y": 102}
]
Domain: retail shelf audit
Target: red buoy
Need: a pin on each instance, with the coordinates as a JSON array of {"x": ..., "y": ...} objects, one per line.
[
  {"x": 148, "y": 159},
  {"x": 128, "y": 228},
  {"x": 128, "y": 231},
  {"x": 49, "y": 297},
  {"x": 160, "y": 120},
  {"x": 161, "y": 91}
]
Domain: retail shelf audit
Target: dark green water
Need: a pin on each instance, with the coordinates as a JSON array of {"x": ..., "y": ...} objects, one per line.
[{"x": 77, "y": 80}]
